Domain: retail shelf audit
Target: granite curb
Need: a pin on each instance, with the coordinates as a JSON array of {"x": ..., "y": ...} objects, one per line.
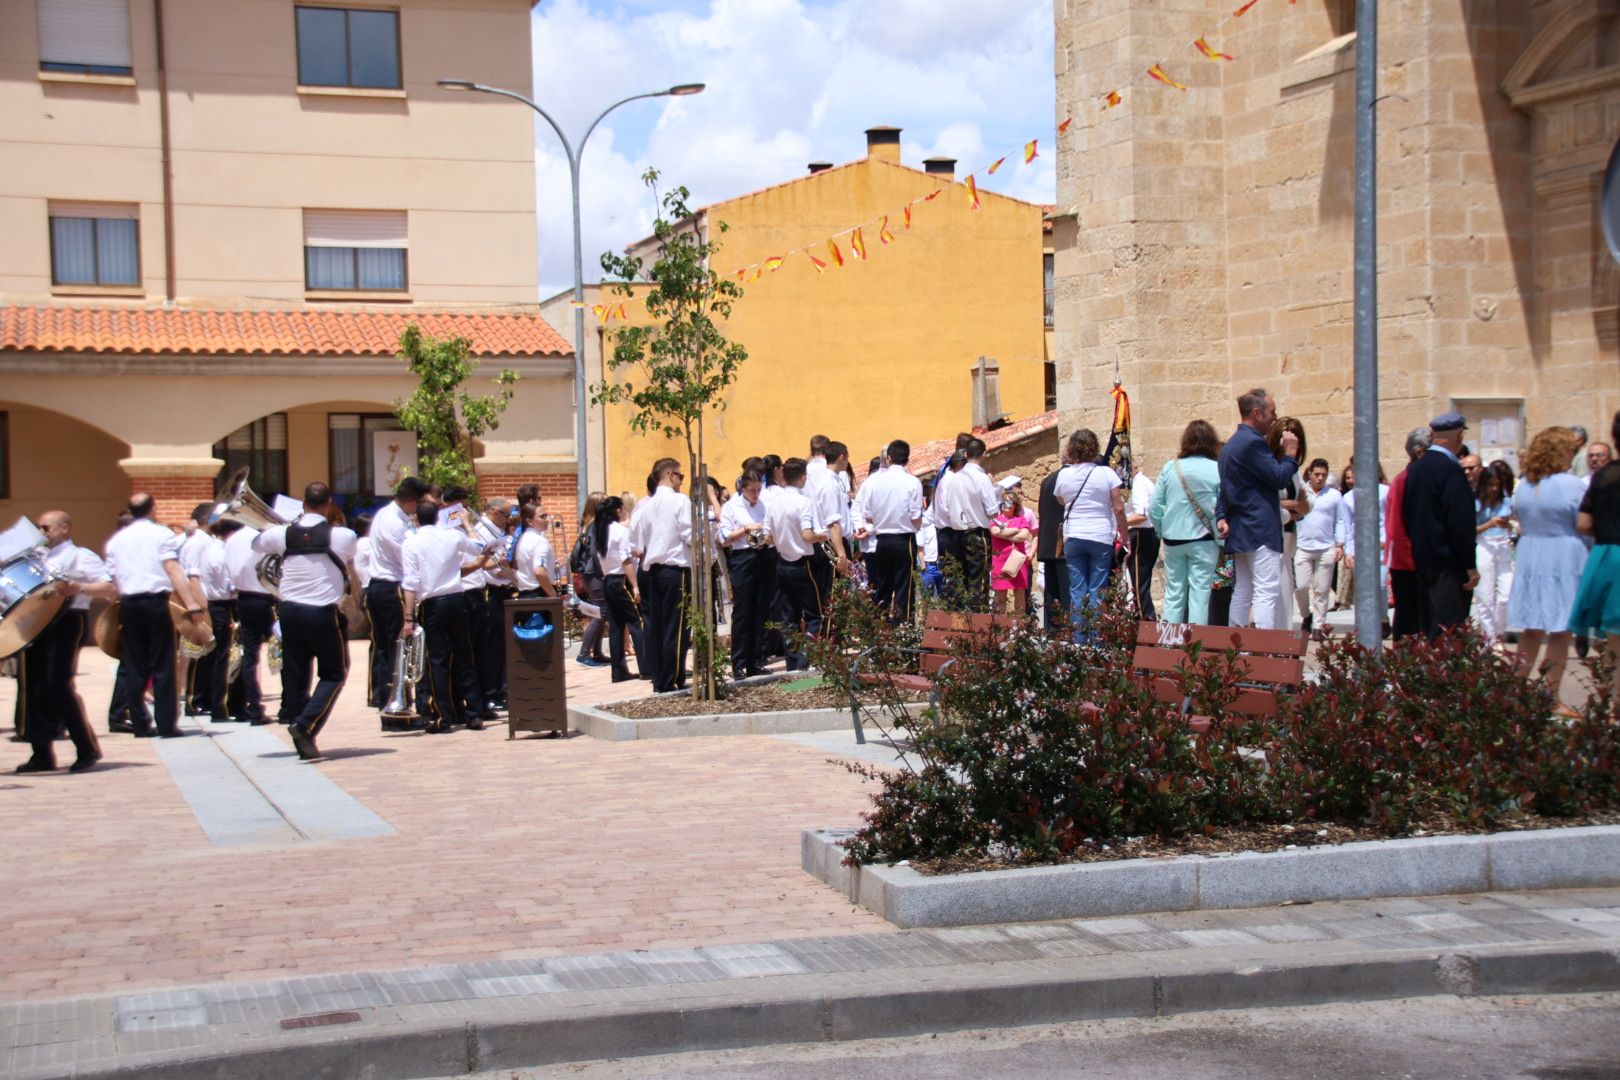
[
  {"x": 599, "y": 723},
  {"x": 1421, "y": 866}
]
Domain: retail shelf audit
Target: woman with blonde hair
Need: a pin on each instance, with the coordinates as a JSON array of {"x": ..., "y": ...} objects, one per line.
[{"x": 1551, "y": 555}]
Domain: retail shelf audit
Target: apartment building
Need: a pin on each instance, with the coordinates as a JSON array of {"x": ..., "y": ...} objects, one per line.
[{"x": 219, "y": 215}]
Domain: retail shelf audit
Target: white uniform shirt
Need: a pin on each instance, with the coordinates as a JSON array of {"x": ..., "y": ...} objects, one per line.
[
  {"x": 310, "y": 579},
  {"x": 788, "y": 516},
  {"x": 1141, "y": 498},
  {"x": 433, "y": 561},
  {"x": 364, "y": 553},
  {"x": 662, "y": 529},
  {"x": 136, "y": 554},
  {"x": 965, "y": 499},
  {"x": 389, "y": 528},
  {"x": 191, "y": 551},
  {"x": 498, "y": 543},
  {"x": 1345, "y": 527},
  {"x": 533, "y": 551},
  {"x": 213, "y": 573},
  {"x": 242, "y": 562},
  {"x": 619, "y": 549},
  {"x": 831, "y": 508},
  {"x": 1317, "y": 530},
  {"x": 739, "y": 513},
  {"x": 70, "y": 562},
  {"x": 892, "y": 501},
  {"x": 928, "y": 538}
]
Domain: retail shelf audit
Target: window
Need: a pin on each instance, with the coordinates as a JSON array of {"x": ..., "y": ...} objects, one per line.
[
  {"x": 1049, "y": 283},
  {"x": 94, "y": 244},
  {"x": 262, "y": 447},
  {"x": 349, "y": 437},
  {"x": 84, "y": 37},
  {"x": 353, "y": 250},
  {"x": 348, "y": 47}
]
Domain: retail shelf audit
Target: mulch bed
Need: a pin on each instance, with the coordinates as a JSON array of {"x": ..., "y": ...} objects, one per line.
[{"x": 740, "y": 699}]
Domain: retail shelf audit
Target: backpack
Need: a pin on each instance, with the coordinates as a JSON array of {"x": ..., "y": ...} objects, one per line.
[{"x": 582, "y": 560}]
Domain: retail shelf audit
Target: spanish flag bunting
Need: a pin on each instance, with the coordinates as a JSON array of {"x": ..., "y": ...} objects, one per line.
[
  {"x": 1203, "y": 46},
  {"x": 972, "y": 193},
  {"x": 932, "y": 195},
  {"x": 1111, "y": 99},
  {"x": 997, "y": 165},
  {"x": 742, "y": 273},
  {"x": 600, "y": 311},
  {"x": 837, "y": 256},
  {"x": 577, "y": 305},
  {"x": 1065, "y": 125},
  {"x": 908, "y": 217},
  {"x": 817, "y": 263},
  {"x": 619, "y": 311},
  {"x": 775, "y": 262},
  {"x": 1239, "y": 13},
  {"x": 1159, "y": 73},
  {"x": 884, "y": 235},
  {"x": 759, "y": 272},
  {"x": 1031, "y": 152},
  {"x": 857, "y": 244}
]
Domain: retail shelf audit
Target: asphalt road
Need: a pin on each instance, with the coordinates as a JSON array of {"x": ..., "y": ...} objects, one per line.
[{"x": 1574, "y": 1037}]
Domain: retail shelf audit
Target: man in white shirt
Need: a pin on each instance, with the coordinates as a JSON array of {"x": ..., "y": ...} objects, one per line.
[
  {"x": 434, "y": 562},
  {"x": 144, "y": 560},
  {"x": 314, "y": 571},
  {"x": 1144, "y": 542},
  {"x": 796, "y": 530},
  {"x": 892, "y": 503},
  {"x": 769, "y": 468},
  {"x": 384, "y": 601},
  {"x": 197, "y": 539},
  {"x": 255, "y": 624},
  {"x": 827, "y": 488},
  {"x": 965, "y": 501},
  {"x": 489, "y": 647},
  {"x": 49, "y": 664},
  {"x": 205, "y": 685},
  {"x": 1316, "y": 549},
  {"x": 743, "y": 534},
  {"x": 662, "y": 531}
]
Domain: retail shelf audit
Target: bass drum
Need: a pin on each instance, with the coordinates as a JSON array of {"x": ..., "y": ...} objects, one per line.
[
  {"x": 29, "y": 600},
  {"x": 194, "y": 639}
]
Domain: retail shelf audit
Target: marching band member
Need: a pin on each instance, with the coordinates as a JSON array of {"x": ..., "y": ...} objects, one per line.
[
  {"x": 617, "y": 560},
  {"x": 531, "y": 558},
  {"x": 194, "y": 693},
  {"x": 384, "y": 601},
  {"x": 892, "y": 500},
  {"x": 796, "y": 529},
  {"x": 314, "y": 569},
  {"x": 742, "y": 530},
  {"x": 435, "y": 559},
  {"x": 662, "y": 531},
  {"x": 50, "y": 662},
  {"x": 490, "y": 645},
  {"x": 965, "y": 500},
  {"x": 211, "y": 674},
  {"x": 824, "y": 487},
  {"x": 255, "y": 622},
  {"x": 145, "y": 563}
]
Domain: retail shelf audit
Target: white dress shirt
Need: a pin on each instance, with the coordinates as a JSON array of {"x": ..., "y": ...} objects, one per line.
[
  {"x": 1317, "y": 530},
  {"x": 136, "y": 554},
  {"x": 1141, "y": 498},
  {"x": 532, "y": 555},
  {"x": 497, "y": 543},
  {"x": 928, "y": 538},
  {"x": 433, "y": 561},
  {"x": 739, "y": 513},
  {"x": 310, "y": 579},
  {"x": 242, "y": 562},
  {"x": 619, "y": 549},
  {"x": 70, "y": 562},
  {"x": 364, "y": 553},
  {"x": 191, "y": 551},
  {"x": 212, "y": 573},
  {"x": 965, "y": 499},
  {"x": 787, "y": 519},
  {"x": 662, "y": 529},
  {"x": 831, "y": 508},
  {"x": 892, "y": 501},
  {"x": 389, "y": 528}
]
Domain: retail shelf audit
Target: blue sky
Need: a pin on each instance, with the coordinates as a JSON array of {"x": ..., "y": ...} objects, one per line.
[{"x": 789, "y": 82}]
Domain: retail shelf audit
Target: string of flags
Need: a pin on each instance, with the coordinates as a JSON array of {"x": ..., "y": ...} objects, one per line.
[{"x": 829, "y": 255}]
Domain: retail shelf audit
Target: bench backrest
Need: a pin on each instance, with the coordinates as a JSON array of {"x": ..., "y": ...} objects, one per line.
[
  {"x": 1269, "y": 660},
  {"x": 944, "y": 630}
]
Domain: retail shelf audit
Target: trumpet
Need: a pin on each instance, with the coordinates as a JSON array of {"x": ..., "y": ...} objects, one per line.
[
  {"x": 408, "y": 656},
  {"x": 757, "y": 539}
]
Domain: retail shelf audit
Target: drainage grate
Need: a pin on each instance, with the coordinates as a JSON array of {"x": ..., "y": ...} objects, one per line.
[{"x": 320, "y": 1020}]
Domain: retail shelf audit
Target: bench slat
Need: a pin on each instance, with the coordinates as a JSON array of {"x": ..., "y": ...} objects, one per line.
[
  {"x": 1263, "y": 669},
  {"x": 1248, "y": 639}
]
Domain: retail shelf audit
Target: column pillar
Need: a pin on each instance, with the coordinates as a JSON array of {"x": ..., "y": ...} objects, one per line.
[{"x": 176, "y": 485}]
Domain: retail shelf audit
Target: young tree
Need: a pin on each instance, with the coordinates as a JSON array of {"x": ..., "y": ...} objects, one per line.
[
  {"x": 674, "y": 371},
  {"x": 446, "y": 418}
]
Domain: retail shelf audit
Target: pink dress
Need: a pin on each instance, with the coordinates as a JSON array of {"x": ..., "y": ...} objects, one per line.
[{"x": 1000, "y": 549}]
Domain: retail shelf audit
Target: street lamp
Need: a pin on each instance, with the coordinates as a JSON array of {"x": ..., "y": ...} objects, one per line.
[{"x": 574, "y": 154}]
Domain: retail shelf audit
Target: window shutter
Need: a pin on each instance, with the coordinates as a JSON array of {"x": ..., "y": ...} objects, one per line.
[
  {"x": 354, "y": 228},
  {"x": 91, "y": 32},
  {"x": 112, "y": 211}
]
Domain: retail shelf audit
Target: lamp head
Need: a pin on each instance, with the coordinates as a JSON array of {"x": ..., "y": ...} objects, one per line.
[
  {"x": 456, "y": 84},
  {"x": 685, "y": 89}
]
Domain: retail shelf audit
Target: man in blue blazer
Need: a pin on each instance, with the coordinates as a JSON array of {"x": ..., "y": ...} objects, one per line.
[
  {"x": 1438, "y": 509},
  {"x": 1247, "y": 512}
]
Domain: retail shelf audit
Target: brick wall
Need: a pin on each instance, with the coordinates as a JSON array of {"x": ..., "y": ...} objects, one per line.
[
  {"x": 558, "y": 496},
  {"x": 176, "y": 496}
]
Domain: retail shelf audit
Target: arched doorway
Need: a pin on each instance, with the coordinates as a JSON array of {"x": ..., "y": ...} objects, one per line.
[
  {"x": 335, "y": 442},
  {"x": 52, "y": 461}
]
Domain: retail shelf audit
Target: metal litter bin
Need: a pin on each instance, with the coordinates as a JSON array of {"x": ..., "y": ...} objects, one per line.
[{"x": 536, "y": 690}]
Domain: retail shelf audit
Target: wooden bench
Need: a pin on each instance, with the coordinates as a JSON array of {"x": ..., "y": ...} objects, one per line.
[
  {"x": 943, "y": 633},
  {"x": 1270, "y": 662}
]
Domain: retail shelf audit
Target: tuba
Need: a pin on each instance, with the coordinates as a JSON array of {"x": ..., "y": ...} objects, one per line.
[
  {"x": 409, "y": 654},
  {"x": 238, "y": 502}
]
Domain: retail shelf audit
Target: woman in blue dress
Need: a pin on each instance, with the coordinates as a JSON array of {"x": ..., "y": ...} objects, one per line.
[{"x": 1551, "y": 555}]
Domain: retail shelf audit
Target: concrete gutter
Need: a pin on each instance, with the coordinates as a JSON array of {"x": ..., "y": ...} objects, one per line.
[
  {"x": 1422, "y": 866},
  {"x": 598, "y": 723}
]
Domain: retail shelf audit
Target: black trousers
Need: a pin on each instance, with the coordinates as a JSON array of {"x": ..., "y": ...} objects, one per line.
[
  {"x": 1448, "y": 600},
  {"x": 801, "y": 602},
  {"x": 451, "y": 672},
  {"x": 890, "y": 568},
  {"x": 771, "y": 642},
  {"x": 256, "y": 618},
  {"x": 1411, "y": 604},
  {"x": 222, "y": 614},
  {"x": 748, "y": 570},
  {"x": 822, "y": 573},
  {"x": 1056, "y": 575},
  {"x": 964, "y": 560},
  {"x": 385, "y": 607},
  {"x": 620, "y": 613},
  {"x": 477, "y": 601},
  {"x": 1143, "y": 558},
  {"x": 664, "y": 590},
  {"x": 148, "y": 639},
  {"x": 491, "y": 649},
  {"x": 311, "y": 637},
  {"x": 48, "y": 667}
]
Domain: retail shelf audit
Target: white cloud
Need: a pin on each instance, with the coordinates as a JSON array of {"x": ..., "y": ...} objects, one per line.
[{"x": 789, "y": 81}]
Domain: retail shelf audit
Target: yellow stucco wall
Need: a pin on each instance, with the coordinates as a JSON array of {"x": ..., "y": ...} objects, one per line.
[{"x": 881, "y": 349}]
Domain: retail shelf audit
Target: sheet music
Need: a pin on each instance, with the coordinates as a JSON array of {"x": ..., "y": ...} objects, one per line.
[{"x": 21, "y": 537}]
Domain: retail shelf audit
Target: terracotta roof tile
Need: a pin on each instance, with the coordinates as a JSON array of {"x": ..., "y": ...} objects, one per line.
[
  {"x": 220, "y": 332},
  {"x": 927, "y": 458}
]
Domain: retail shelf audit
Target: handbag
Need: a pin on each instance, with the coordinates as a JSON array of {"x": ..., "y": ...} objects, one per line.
[
  {"x": 1223, "y": 558},
  {"x": 1016, "y": 558}
]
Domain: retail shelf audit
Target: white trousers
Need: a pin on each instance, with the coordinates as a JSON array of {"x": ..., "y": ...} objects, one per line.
[
  {"x": 1313, "y": 578},
  {"x": 1256, "y": 588},
  {"x": 1494, "y": 558}
]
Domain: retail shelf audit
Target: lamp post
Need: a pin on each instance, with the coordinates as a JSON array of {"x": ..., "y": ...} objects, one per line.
[{"x": 574, "y": 153}]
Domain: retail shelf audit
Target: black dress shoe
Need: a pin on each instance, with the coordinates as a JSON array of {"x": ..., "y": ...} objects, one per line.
[
  {"x": 303, "y": 743},
  {"x": 475, "y": 723},
  {"x": 84, "y": 764},
  {"x": 116, "y": 727},
  {"x": 177, "y": 734},
  {"x": 438, "y": 729},
  {"x": 261, "y": 722},
  {"x": 35, "y": 764},
  {"x": 147, "y": 734}
]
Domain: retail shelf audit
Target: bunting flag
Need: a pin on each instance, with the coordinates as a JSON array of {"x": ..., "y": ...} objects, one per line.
[
  {"x": 857, "y": 244},
  {"x": 1239, "y": 13},
  {"x": 932, "y": 195},
  {"x": 1158, "y": 73},
  {"x": 992, "y": 169},
  {"x": 775, "y": 262},
  {"x": 837, "y": 256},
  {"x": 1031, "y": 151},
  {"x": 600, "y": 311},
  {"x": 1065, "y": 125},
  {"x": 1111, "y": 99},
  {"x": 908, "y": 217},
  {"x": 620, "y": 312},
  {"x": 972, "y": 193},
  {"x": 577, "y": 305},
  {"x": 741, "y": 273},
  {"x": 817, "y": 263},
  {"x": 759, "y": 271},
  {"x": 1203, "y": 46},
  {"x": 884, "y": 235}
]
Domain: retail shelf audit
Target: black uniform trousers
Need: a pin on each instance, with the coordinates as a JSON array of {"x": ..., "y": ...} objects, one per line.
[
  {"x": 1139, "y": 564},
  {"x": 48, "y": 667},
  {"x": 771, "y": 642},
  {"x": 200, "y": 672},
  {"x": 666, "y": 636},
  {"x": 256, "y": 618},
  {"x": 748, "y": 569},
  {"x": 311, "y": 637},
  {"x": 385, "y": 607},
  {"x": 1448, "y": 600},
  {"x": 491, "y": 649},
  {"x": 620, "y": 613},
  {"x": 477, "y": 601},
  {"x": 889, "y": 568},
  {"x": 801, "y": 604},
  {"x": 1411, "y": 604},
  {"x": 964, "y": 560},
  {"x": 451, "y": 673},
  {"x": 148, "y": 640},
  {"x": 222, "y": 614},
  {"x": 1056, "y": 575}
]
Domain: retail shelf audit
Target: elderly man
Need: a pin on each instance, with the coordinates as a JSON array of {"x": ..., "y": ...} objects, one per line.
[
  {"x": 1438, "y": 507},
  {"x": 1248, "y": 514}
]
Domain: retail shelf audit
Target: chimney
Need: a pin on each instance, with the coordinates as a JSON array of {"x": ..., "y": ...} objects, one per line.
[
  {"x": 884, "y": 143},
  {"x": 941, "y": 166},
  {"x": 819, "y": 166}
]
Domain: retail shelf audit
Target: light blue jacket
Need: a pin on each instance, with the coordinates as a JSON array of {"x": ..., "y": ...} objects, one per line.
[{"x": 1172, "y": 515}]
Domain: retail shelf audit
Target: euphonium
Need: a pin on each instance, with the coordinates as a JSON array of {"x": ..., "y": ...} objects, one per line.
[
  {"x": 237, "y": 502},
  {"x": 409, "y": 654}
]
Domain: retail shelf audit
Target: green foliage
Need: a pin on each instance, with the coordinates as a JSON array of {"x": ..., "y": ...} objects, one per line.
[{"x": 446, "y": 418}]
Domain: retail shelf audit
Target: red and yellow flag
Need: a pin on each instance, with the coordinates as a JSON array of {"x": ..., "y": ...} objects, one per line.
[
  {"x": 932, "y": 195},
  {"x": 857, "y": 244},
  {"x": 1159, "y": 73},
  {"x": 1239, "y": 13},
  {"x": 600, "y": 311},
  {"x": 837, "y": 256},
  {"x": 884, "y": 235},
  {"x": 815, "y": 262},
  {"x": 908, "y": 216},
  {"x": 972, "y": 193},
  {"x": 759, "y": 272},
  {"x": 1204, "y": 47},
  {"x": 742, "y": 273},
  {"x": 620, "y": 311},
  {"x": 992, "y": 170},
  {"x": 1031, "y": 151},
  {"x": 775, "y": 262},
  {"x": 1111, "y": 99},
  {"x": 1065, "y": 125}
]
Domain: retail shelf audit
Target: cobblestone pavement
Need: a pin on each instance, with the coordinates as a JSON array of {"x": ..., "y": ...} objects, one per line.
[{"x": 501, "y": 850}]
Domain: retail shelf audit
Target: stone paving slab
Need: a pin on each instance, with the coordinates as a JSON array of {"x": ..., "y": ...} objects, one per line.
[{"x": 496, "y": 1014}]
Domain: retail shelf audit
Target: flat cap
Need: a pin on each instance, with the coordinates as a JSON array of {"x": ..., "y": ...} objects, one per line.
[{"x": 1448, "y": 421}]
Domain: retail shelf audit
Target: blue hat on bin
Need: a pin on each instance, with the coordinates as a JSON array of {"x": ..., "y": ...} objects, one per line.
[{"x": 534, "y": 627}]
